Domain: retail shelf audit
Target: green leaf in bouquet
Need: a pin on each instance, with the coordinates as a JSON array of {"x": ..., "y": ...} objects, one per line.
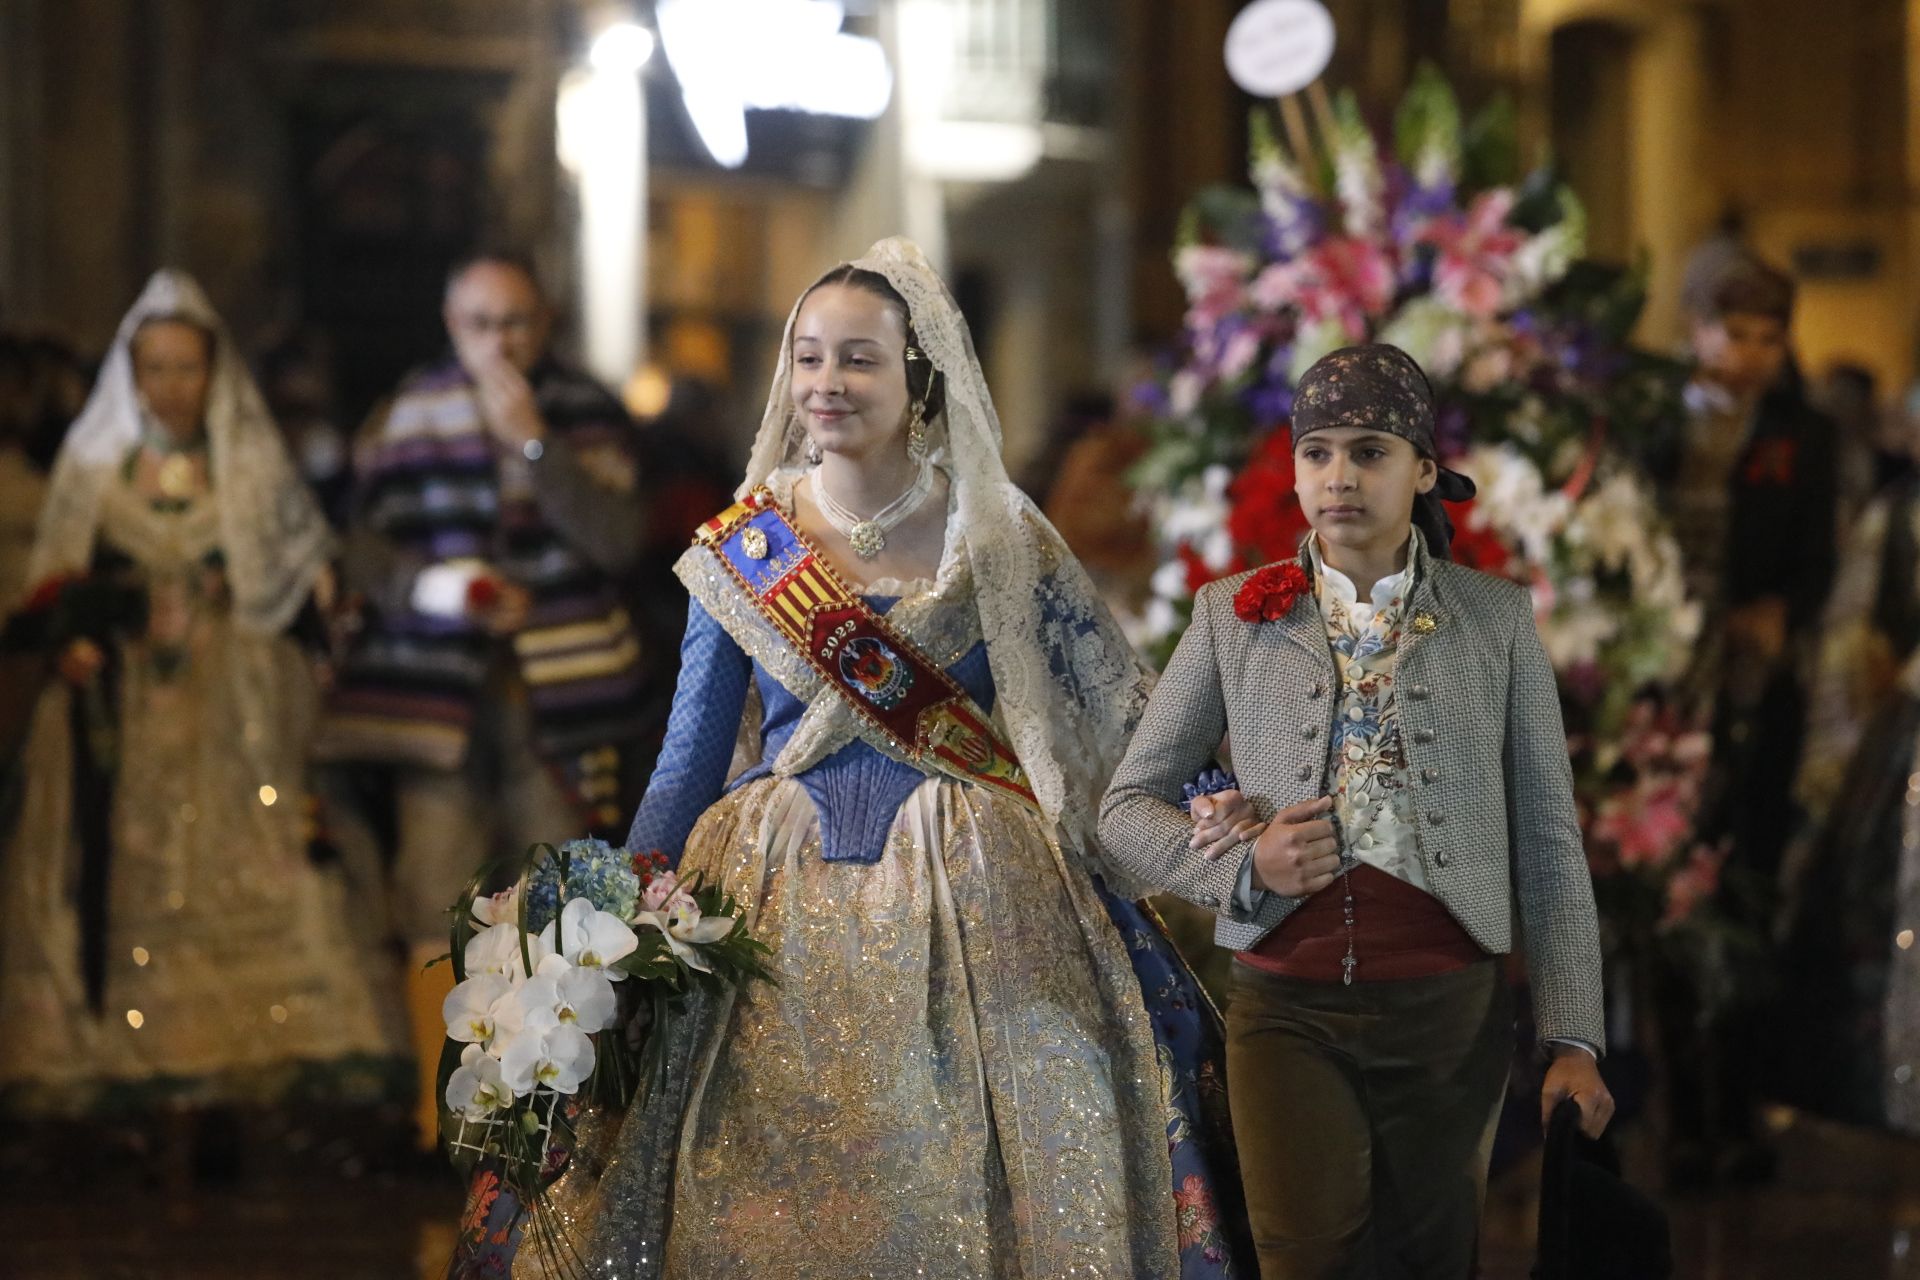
[
  {"x": 1540, "y": 201},
  {"x": 1168, "y": 462},
  {"x": 1226, "y": 216},
  {"x": 1490, "y": 146},
  {"x": 1604, "y": 297},
  {"x": 1187, "y": 232},
  {"x": 1263, "y": 145},
  {"x": 1426, "y": 130}
]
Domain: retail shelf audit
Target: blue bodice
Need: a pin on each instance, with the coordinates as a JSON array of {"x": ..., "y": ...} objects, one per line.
[{"x": 856, "y": 791}]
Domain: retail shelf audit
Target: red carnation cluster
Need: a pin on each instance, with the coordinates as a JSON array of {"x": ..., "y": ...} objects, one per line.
[
  {"x": 1270, "y": 594},
  {"x": 1266, "y": 520},
  {"x": 1478, "y": 548}
]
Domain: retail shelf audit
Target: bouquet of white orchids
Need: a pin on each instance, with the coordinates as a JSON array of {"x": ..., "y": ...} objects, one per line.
[{"x": 566, "y": 983}]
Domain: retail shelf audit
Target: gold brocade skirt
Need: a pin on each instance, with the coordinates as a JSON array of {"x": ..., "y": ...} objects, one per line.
[{"x": 955, "y": 1076}]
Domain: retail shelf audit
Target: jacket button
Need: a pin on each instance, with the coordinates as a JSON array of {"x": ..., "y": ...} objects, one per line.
[
  {"x": 1309, "y": 731},
  {"x": 1423, "y": 735},
  {"x": 1316, "y": 691},
  {"x": 1306, "y": 772},
  {"x": 1441, "y": 857},
  {"x": 1436, "y": 817},
  {"x": 1418, "y": 692},
  {"x": 1429, "y": 775}
]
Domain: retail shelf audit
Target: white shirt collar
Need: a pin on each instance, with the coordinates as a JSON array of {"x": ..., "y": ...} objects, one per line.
[{"x": 1340, "y": 587}]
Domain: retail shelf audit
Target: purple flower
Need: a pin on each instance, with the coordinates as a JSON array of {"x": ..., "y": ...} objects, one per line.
[
  {"x": 1452, "y": 430},
  {"x": 1149, "y": 396},
  {"x": 1293, "y": 225},
  {"x": 1270, "y": 403}
]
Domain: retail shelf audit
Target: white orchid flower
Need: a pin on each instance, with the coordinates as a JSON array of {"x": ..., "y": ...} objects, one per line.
[
  {"x": 564, "y": 994},
  {"x": 559, "y": 1058},
  {"x": 476, "y": 1010},
  {"x": 496, "y": 949},
  {"x": 686, "y": 930},
  {"x": 500, "y": 908},
  {"x": 476, "y": 1087},
  {"x": 592, "y": 938}
]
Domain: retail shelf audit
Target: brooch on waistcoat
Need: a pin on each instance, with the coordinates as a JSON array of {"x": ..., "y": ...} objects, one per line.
[
  {"x": 1270, "y": 593},
  {"x": 1425, "y": 624}
]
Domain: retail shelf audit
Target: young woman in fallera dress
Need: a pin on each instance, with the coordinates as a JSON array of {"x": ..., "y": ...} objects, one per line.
[{"x": 979, "y": 1060}]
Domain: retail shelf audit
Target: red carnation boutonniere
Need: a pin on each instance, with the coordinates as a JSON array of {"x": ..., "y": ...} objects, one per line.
[
  {"x": 1269, "y": 594},
  {"x": 483, "y": 593}
]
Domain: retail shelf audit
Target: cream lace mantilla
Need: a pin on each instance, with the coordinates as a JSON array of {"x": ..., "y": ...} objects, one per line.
[
  {"x": 1069, "y": 689},
  {"x": 272, "y": 533}
]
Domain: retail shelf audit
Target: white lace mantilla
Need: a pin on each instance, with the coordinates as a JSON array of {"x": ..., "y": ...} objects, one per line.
[
  {"x": 272, "y": 533},
  {"x": 1069, "y": 689}
]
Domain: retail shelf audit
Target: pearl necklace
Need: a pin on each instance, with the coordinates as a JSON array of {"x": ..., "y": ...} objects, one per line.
[{"x": 868, "y": 535}]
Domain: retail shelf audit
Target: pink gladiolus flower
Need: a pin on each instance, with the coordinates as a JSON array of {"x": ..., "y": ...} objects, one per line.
[
  {"x": 1215, "y": 281},
  {"x": 1241, "y": 351},
  {"x": 1476, "y": 255},
  {"x": 1692, "y": 885},
  {"x": 1647, "y": 826},
  {"x": 1345, "y": 278}
]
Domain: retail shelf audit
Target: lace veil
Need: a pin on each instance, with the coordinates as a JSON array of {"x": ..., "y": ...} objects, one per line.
[
  {"x": 272, "y": 532},
  {"x": 1069, "y": 689}
]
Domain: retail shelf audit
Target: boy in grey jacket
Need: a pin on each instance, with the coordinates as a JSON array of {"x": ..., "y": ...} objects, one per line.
[{"x": 1396, "y": 730}]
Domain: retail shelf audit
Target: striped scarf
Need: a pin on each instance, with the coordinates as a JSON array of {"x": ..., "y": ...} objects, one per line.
[{"x": 433, "y": 483}]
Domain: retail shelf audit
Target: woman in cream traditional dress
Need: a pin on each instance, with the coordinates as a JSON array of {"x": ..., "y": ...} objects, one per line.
[
  {"x": 166, "y": 934},
  {"x": 977, "y": 1062}
]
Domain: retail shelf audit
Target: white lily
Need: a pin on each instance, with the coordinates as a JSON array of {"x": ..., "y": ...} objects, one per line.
[
  {"x": 564, "y": 994},
  {"x": 559, "y": 1058},
  {"x": 592, "y": 938},
  {"x": 480, "y": 1008},
  {"x": 686, "y": 930},
  {"x": 476, "y": 1087}
]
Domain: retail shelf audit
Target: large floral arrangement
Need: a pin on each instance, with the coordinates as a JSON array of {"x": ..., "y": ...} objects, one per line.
[
  {"x": 1435, "y": 243},
  {"x": 566, "y": 983}
]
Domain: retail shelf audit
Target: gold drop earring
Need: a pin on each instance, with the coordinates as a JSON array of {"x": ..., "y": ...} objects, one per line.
[{"x": 917, "y": 433}]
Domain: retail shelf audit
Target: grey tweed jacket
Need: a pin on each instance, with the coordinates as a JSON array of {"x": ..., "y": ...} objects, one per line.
[{"x": 1486, "y": 754}]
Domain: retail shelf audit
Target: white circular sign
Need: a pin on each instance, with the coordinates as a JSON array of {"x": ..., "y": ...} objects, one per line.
[{"x": 1277, "y": 47}]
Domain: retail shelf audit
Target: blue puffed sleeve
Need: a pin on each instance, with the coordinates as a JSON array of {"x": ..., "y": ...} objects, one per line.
[{"x": 701, "y": 731}]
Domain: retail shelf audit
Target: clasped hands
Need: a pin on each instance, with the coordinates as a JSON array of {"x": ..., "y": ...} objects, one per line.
[{"x": 1296, "y": 853}]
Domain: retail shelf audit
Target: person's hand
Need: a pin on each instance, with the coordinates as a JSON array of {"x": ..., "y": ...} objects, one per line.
[
  {"x": 80, "y": 662},
  {"x": 1299, "y": 853},
  {"x": 1574, "y": 1074},
  {"x": 502, "y": 607},
  {"x": 507, "y": 404},
  {"x": 1221, "y": 821}
]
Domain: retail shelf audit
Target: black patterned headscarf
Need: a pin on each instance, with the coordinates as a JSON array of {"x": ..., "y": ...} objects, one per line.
[{"x": 1379, "y": 387}]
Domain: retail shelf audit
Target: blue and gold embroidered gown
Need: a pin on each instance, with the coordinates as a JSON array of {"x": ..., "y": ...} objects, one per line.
[
  {"x": 957, "y": 1067},
  {"x": 977, "y": 1062}
]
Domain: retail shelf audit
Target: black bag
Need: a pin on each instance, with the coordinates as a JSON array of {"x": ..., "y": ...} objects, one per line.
[{"x": 1593, "y": 1225}]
